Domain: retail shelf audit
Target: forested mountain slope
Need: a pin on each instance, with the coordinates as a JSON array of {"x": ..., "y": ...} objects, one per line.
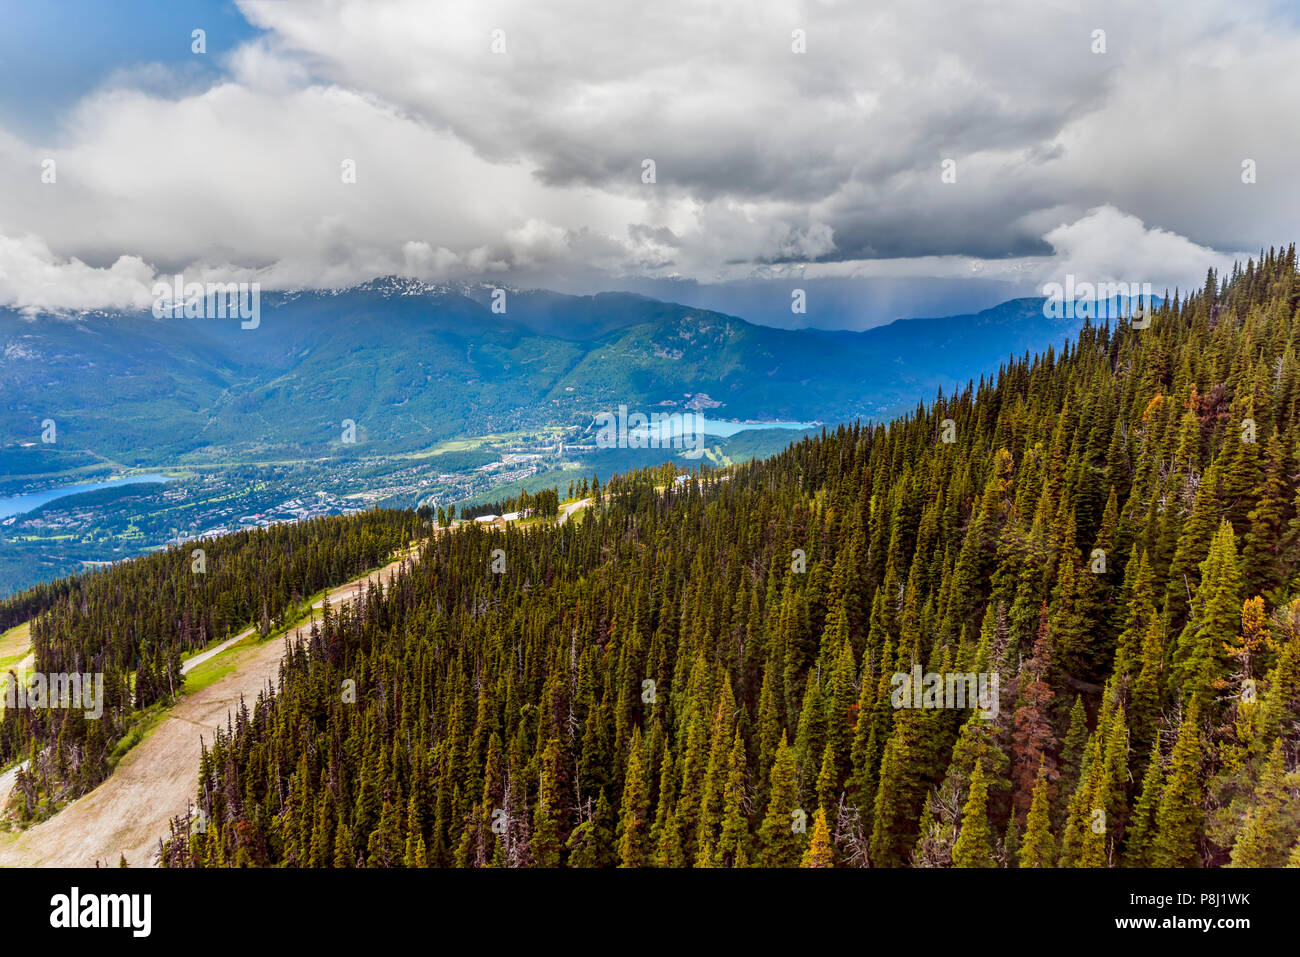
[{"x": 1111, "y": 531}]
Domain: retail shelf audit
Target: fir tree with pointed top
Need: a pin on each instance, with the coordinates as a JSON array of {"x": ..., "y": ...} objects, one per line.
[
  {"x": 1178, "y": 816},
  {"x": 820, "y": 853},
  {"x": 779, "y": 843},
  {"x": 974, "y": 847},
  {"x": 1200, "y": 656},
  {"x": 633, "y": 826},
  {"x": 1142, "y": 822},
  {"x": 733, "y": 843},
  {"x": 1038, "y": 847}
]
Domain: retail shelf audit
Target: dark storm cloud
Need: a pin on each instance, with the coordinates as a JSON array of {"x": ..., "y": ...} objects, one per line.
[{"x": 504, "y": 138}]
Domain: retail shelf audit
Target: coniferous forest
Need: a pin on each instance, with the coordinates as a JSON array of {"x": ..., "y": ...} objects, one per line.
[{"x": 702, "y": 673}]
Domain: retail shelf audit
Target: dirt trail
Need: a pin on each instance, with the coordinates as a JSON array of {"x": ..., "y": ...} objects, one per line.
[
  {"x": 571, "y": 508},
  {"x": 10, "y": 777},
  {"x": 130, "y": 811}
]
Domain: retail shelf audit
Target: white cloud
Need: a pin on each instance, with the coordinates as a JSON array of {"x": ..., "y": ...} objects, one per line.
[
  {"x": 32, "y": 278},
  {"x": 1103, "y": 245},
  {"x": 1108, "y": 246},
  {"x": 472, "y": 163}
]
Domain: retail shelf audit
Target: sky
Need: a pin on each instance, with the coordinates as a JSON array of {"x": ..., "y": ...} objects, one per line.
[{"x": 906, "y": 158}]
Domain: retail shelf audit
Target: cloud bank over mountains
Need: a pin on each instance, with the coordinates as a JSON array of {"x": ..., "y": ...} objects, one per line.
[{"x": 507, "y": 141}]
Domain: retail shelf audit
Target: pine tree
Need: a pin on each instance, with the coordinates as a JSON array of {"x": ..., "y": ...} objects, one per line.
[
  {"x": 1072, "y": 756},
  {"x": 1034, "y": 742},
  {"x": 1141, "y": 614},
  {"x": 1038, "y": 849},
  {"x": 592, "y": 841},
  {"x": 416, "y": 852},
  {"x": 665, "y": 835},
  {"x": 820, "y": 852},
  {"x": 828, "y": 778},
  {"x": 1011, "y": 842},
  {"x": 344, "y": 855},
  {"x": 1145, "y": 695},
  {"x": 779, "y": 842},
  {"x": 974, "y": 846},
  {"x": 1142, "y": 823},
  {"x": 1273, "y": 822},
  {"x": 1266, "y": 535},
  {"x": 733, "y": 845},
  {"x": 1200, "y": 657},
  {"x": 906, "y": 770},
  {"x": 633, "y": 825},
  {"x": 1179, "y": 814},
  {"x": 548, "y": 835}
]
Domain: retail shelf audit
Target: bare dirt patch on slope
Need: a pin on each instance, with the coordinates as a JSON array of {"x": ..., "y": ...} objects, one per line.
[{"x": 129, "y": 812}]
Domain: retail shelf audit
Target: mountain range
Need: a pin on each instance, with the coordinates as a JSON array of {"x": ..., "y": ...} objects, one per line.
[{"x": 414, "y": 364}]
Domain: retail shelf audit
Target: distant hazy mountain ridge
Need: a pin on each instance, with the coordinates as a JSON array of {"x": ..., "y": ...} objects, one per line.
[{"x": 414, "y": 363}]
